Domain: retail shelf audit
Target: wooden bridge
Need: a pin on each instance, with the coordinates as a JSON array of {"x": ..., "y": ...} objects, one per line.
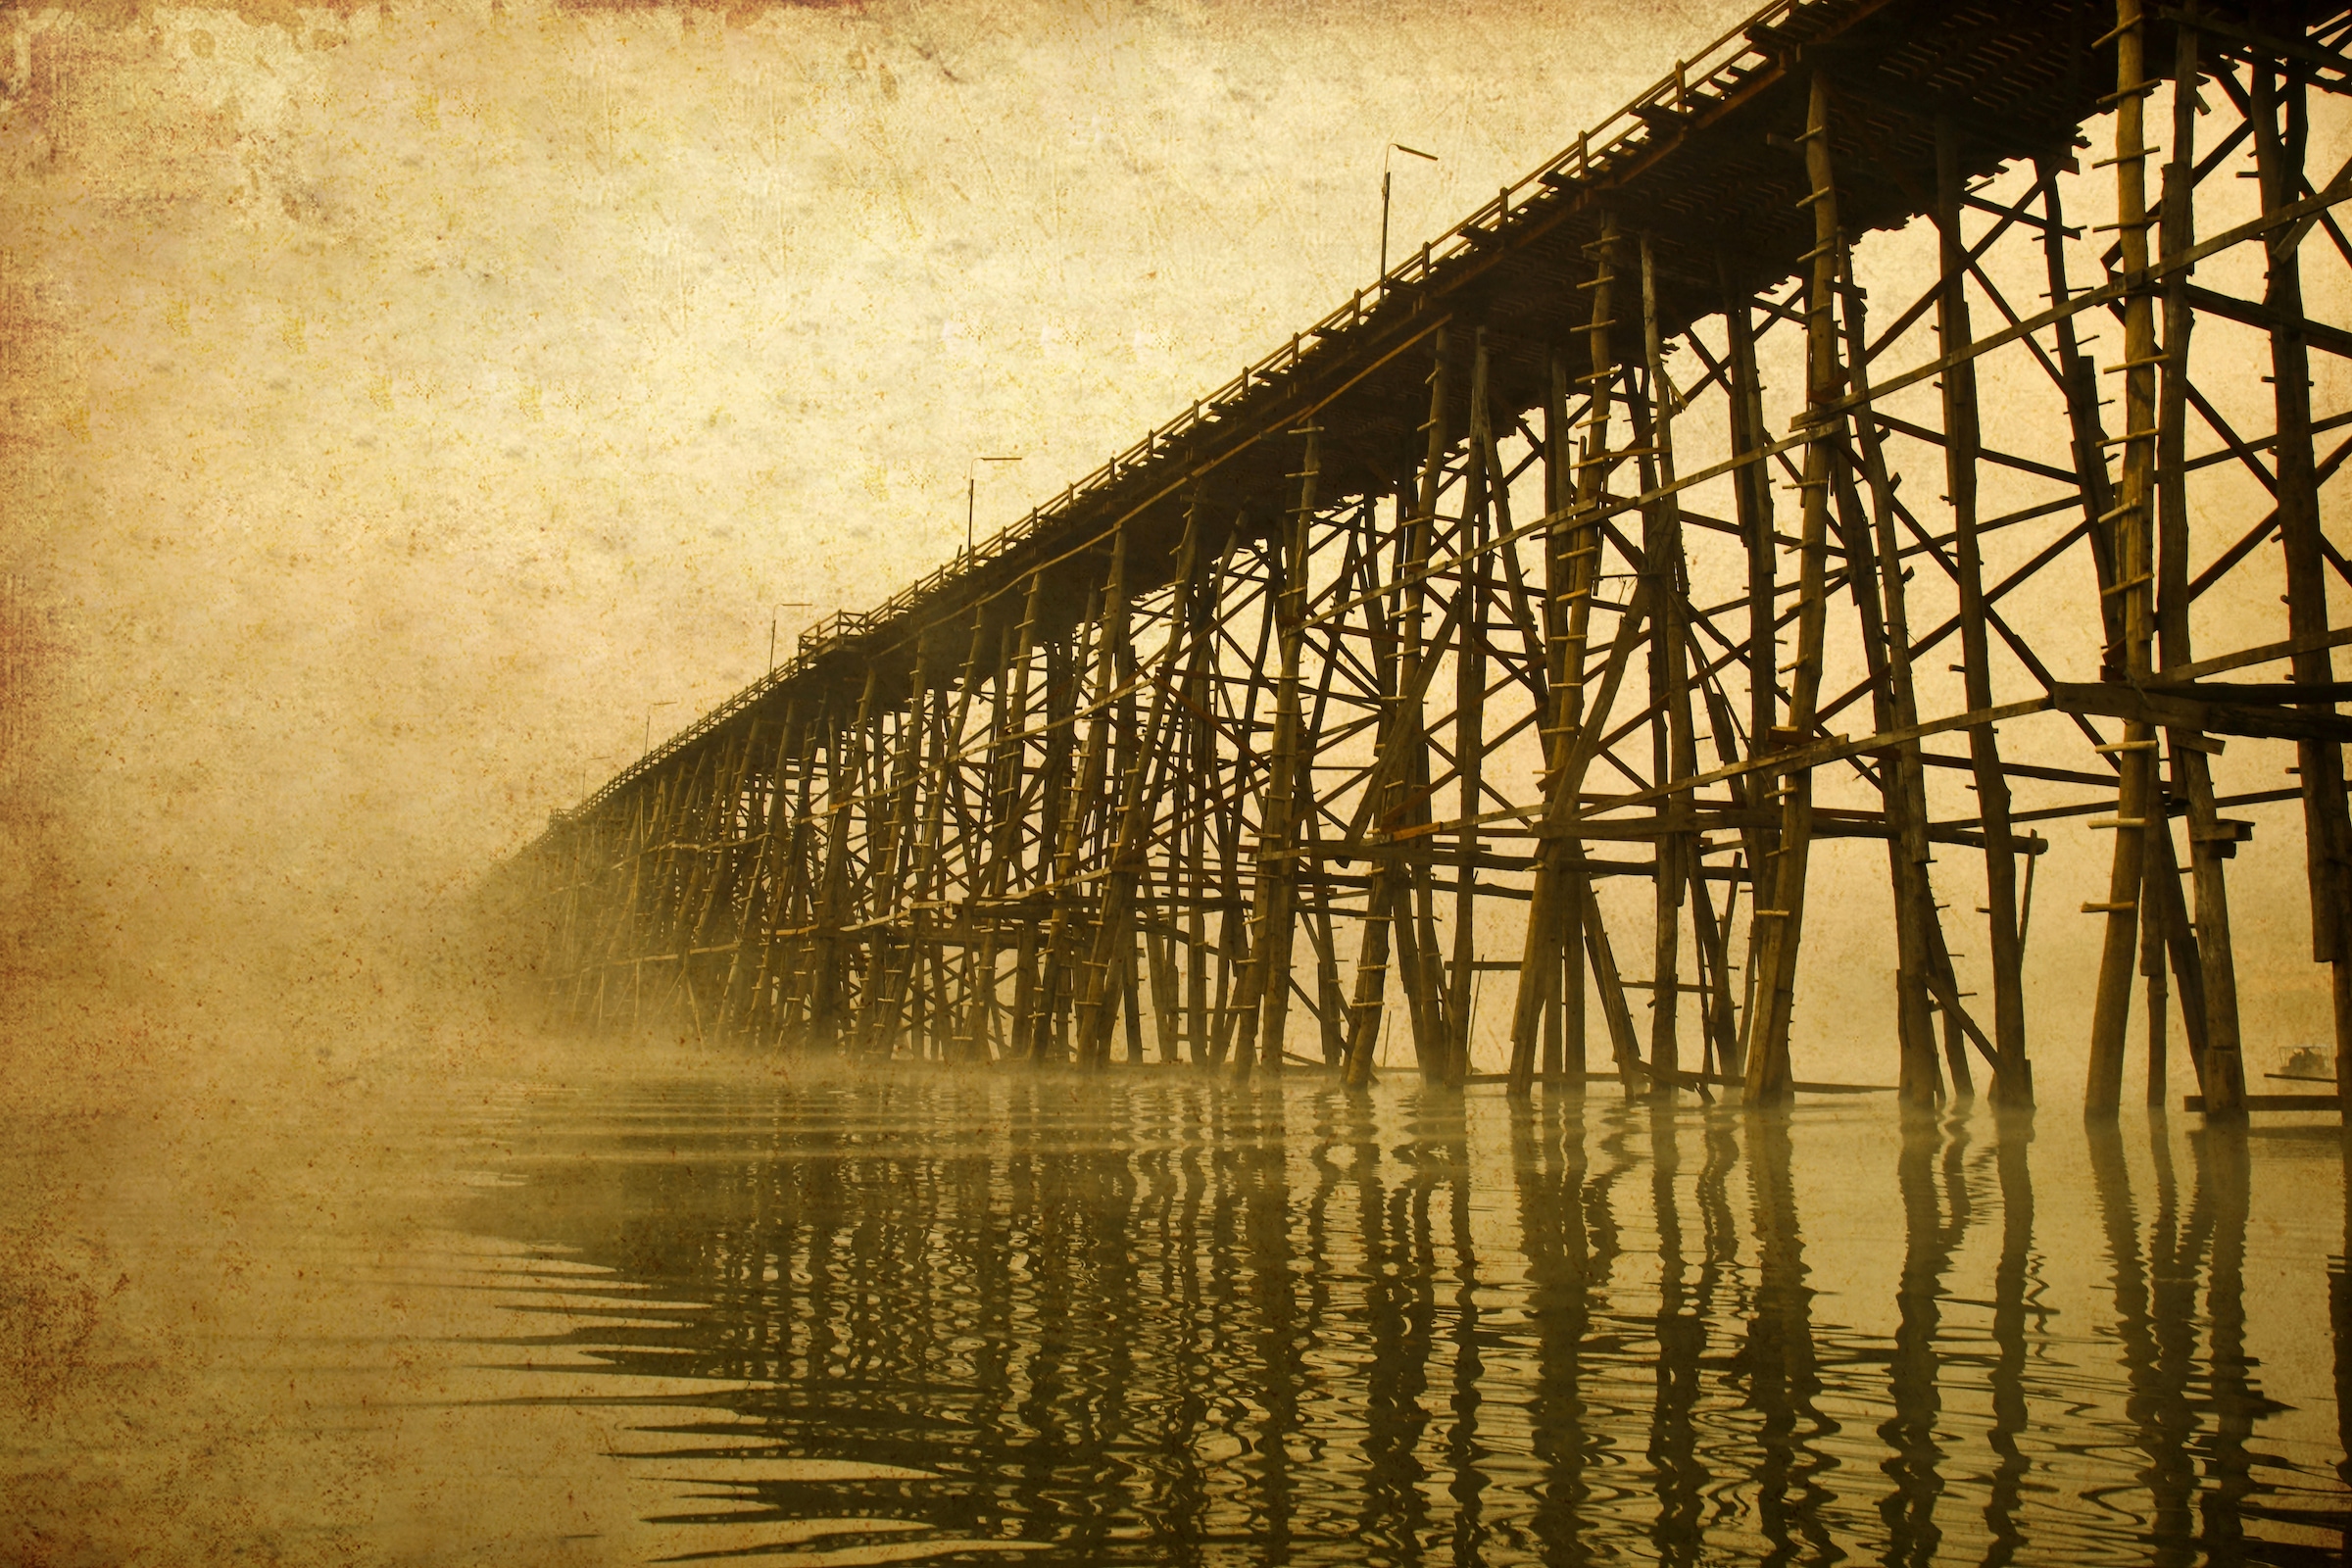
[{"x": 1580, "y": 546}]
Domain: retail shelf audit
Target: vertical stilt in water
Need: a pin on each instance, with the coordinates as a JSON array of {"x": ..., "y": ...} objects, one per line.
[
  {"x": 1196, "y": 795},
  {"x": 2136, "y": 802},
  {"x": 1007, "y": 821},
  {"x": 891, "y": 974},
  {"x": 1235, "y": 945},
  {"x": 1961, "y": 446},
  {"x": 2210, "y": 1005},
  {"x": 1562, "y": 900},
  {"x": 1782, "y": 924},
  {"x": 848, "y": 766},
  {"x": 1563, "y": 999},
  {"x": 1885, "y": 625},
  {"x": 1751, "y": 495},
  {"x": 1417, "y": 947},
  {"x": 763, "y": 902},
  {"x": 1481, "y": 477},
  {"x": 1033, "y": 995},
  {"x": 1368, "y": 1003},
  {"x": 1674, "y": 752},
  {"x": 2327, "y": 833},
  {"x": 1108, "y": 970},
  {"x": 1274, "y": 920}
]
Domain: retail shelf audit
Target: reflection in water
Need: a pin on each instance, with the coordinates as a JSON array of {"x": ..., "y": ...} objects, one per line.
[
  {"x": 1163, "y": 1320},
  {"x": 2006, "y": 1378},
  {"x": 1930, "y": 1237}
]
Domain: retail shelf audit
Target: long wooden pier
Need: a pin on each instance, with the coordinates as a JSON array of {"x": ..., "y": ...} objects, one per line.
[{"x": 1628, "y": 530}]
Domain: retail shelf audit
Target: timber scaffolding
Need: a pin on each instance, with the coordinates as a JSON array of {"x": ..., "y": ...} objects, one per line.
[{"x": 1344, "y": 651}]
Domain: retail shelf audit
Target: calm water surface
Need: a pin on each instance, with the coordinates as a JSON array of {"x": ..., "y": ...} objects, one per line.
[{"x": 1151, "y": 1319}]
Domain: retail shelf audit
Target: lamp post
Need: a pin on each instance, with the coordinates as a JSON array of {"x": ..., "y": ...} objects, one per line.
[
  {"x": 781, "y": 604},
  {"x": 1384, "y": 203},
  {"x": 647, "y": 748},
  {"x": 971, "y": 494},
  {"x": 605, "y": 758}
]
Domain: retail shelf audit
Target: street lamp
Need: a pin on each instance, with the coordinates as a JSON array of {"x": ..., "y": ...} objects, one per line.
[
  {"x": 605, "y": 758},
  {"x": 781, "y": 604},
  {"x": 648, "y": 747},
  {"x": 1384, "y": 203},
  {"x": 972, "y": 492}
]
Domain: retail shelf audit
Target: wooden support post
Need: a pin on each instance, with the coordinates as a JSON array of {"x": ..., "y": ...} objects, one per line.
[
  {"x": 764, "y": 894},
  {"x": 1266, "y": 989},
  {"x": 1331, "y": 1002},
  {"x": 787, "y": 983},
  {"x": 1562, "y": 898},
  {"x": 1716, "y": 1013},
  {"x": 1417, "y": 945},
  {"x": 1235, "y": 946},
  {"x": 891, "y": 971},
  {"x": 1674, "y": 750},
  {"x": 2136, "y": 802},
  {"x": 1070, "y": 934},
  {"x": 2012, "y": 1079},
  {"x": 1782, "y": 925},
  {"x": 939, "y": 780},
  {"x": 1883, "y": 606},
  {"x": 2203, "y": 957},
  {"x": 1368, "y": 1002},
  {"x": 1562, "y": 1000},
  {"x": 834, "y": 911},
  {"x": 1751, "y": 495},
  {"x": 1109, "y": 966},
  {"x": 1033, "y": 1002},
  {"x": 1196, "y": 797},
  {"x": 2151, "y": 962},
  {"x": 788, "y": 973},
  {"x": 1167, "y": 1003},
  {"x": 994, "y": 1030},
  {"x": 2327, "y": 831},
  {"x": 1482, "y": 476}
]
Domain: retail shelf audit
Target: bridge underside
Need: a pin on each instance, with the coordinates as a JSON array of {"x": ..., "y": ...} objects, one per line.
[{"x": 1503, "y": 645}]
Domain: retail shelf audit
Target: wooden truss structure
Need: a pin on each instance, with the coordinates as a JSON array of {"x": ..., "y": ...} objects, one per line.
[{"x": 1579, "y": 549}]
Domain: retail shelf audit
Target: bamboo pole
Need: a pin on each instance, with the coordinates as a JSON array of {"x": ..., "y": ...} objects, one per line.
[
  {"x": 2136, "y": 802},
  {"x": 1266, "y": 989},
  {"x": 1418, "y": 946},
  {"x": 1562, "y": 898},
  {"x": 2327, "y": 831},
  {"x": 1561, "y": 997},
  {"x": 1883, "y": 606},
  {"x": 2203, "y": 956},
  {"x": 1962, "y": 443},
  {"x": 834, "y": 911},
  {"x": 1775, "y": 953},
  {"x": 1469, "y": 709},
  {"x": 1673, "y": 750},
  {"x": 1110, "y": 964}
]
